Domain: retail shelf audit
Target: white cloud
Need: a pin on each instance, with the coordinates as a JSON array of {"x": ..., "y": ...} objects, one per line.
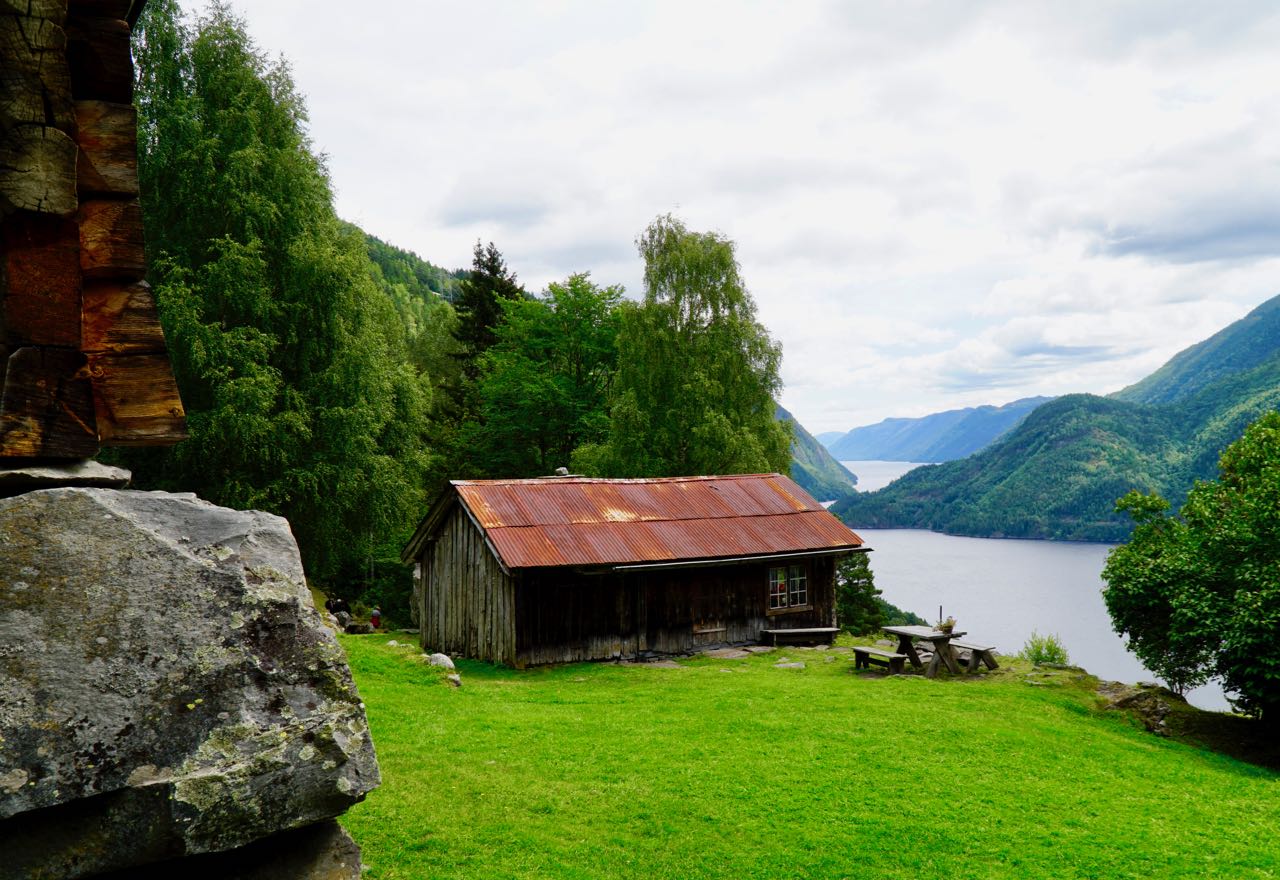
[{"x": 935, "y": 204}]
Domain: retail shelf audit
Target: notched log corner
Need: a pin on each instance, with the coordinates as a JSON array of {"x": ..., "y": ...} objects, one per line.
[
  {"x": 40, "y": 281},
  {"x": 108, "y": 137},
  {"x": 37, "y": 171},
  {"x": 111, "y": 243},
  {"x": 100, "y": 59},
  {"x": 136, "y": 400},
  {"x": 121, "y": 319},
  {"x": 46, "y": 410}
]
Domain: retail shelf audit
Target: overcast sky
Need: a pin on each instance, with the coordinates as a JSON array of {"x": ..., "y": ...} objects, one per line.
[{"x": 935, "y": 205}]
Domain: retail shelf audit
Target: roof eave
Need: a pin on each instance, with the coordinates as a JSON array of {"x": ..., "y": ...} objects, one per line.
[
  {"x": 705, "y": 562},
  {"x": 429, "y": 525}
]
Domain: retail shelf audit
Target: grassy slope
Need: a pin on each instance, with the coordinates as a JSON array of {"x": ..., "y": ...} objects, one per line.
[{"x": 608, "y": 771}]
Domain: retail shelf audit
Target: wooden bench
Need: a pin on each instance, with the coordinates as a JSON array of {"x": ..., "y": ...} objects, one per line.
[
  {"x": 811, "y": 634},
  {"x": 978, "y": 654},
  {"x": 863, "y": 656}
]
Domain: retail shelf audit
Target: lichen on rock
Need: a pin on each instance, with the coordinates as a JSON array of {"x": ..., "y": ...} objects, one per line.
[{"x": 161, "y": 662}]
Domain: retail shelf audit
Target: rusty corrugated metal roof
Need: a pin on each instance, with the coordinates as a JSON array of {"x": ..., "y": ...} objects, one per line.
[{"x": 583, "y": 521}]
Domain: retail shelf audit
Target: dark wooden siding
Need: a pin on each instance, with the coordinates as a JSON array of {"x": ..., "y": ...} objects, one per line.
[
  {"x": 690, "y": 608},
  {"x": 564, "y": 616},
  {"x": 468, "y": 604}
]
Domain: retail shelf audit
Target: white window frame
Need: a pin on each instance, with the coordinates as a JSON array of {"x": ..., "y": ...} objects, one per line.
[{"x": 794, "y": 593}]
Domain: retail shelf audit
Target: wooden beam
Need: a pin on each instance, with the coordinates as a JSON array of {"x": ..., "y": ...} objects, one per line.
[
  {"x": 37, "y": 171},
  {"x": 136, "y": 400},
  {"x": 111, "y": 244},
  {"x": 40, "y": 281},
  {"x": 100, "y": 61},
  {"x": 35, "y": 88},
  {"x": 46, "y": 409},
  {"x": 121, "y": 319},
  {"x": 107, "y": 135},
  {"x": 118, "y": 9},
  {"x": 52, "y": 9}
]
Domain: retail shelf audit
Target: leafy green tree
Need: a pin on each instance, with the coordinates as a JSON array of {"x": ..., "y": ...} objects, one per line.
[
  {"x": 543, "y": 383},
  {"x": 1198, "y": 595},
  {"x": 292, "y": 363},
  {"x": 697, "y": 373},
  {"x": 856, "y": 594}
]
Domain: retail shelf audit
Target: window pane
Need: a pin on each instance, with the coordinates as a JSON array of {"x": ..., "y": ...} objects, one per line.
[
  {"x": 777, "y": 588},
  {"x": 799, "y": 584}
]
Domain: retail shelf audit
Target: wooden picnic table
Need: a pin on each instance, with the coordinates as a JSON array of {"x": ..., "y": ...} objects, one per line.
[{"x": 941, "y": 641}]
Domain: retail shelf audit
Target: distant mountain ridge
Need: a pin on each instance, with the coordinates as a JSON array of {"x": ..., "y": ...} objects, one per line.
[
  {"x": 813, "y": 467},
  {"x": 941, "y": 436},
  {"x": 1236, "y": 348},
  {"x": 1059, "y": 473}
]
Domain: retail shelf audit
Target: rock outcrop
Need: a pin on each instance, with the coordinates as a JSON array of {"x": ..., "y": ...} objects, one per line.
[{"x": 166, "y": 686}]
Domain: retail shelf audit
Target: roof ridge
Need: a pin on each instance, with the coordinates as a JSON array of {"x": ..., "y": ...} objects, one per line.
[
  {"x": 560, "y": 481},
  {"x": 615, "y": 522}
]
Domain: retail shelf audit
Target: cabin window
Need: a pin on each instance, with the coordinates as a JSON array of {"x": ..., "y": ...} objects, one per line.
[{"x": 788, "y": 587}]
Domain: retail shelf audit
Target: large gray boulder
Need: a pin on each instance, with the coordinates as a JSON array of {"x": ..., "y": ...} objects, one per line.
[{"x": 166, "y": 685}]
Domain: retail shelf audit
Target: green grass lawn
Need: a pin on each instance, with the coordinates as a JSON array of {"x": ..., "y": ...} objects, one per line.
[{"x": 735, "y": 769}]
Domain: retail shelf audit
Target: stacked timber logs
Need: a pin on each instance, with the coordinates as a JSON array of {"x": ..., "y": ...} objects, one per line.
[{"x": 81, "y": 350}]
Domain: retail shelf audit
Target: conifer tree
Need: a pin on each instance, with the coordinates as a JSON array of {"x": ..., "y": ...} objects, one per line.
[{"x": 479, "y": 304}]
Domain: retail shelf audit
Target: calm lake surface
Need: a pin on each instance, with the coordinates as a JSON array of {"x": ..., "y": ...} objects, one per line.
[
  {"x": 1000, "y": 590},
  {"x": 873, "y": 475}
]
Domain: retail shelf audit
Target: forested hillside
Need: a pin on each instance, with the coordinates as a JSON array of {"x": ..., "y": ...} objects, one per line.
[
  {"x": 1059, "y": 474},
  {"x": 402, "y": 269},
  {"x": 336, "y": 379},
  {"x": 936, "y": 437},
  {"x": 1240, "y": 346},
  {"x": 813, "y": 467}
]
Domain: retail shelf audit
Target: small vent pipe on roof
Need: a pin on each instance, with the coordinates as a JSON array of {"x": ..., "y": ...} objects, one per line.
[{"x": 560, "y": 472}]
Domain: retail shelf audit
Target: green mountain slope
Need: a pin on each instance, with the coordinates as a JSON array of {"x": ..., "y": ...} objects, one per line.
[
  {"x": 416, "y": 276},
  {"x": 942, "y": 436},
  {"x": 1059, "y": 473},
  {"x": 813, "y": 467},
  {"x": 1236, "y": 348}
]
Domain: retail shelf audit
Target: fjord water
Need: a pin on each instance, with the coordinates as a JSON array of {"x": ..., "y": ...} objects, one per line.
[
  {"x": 873, "y": 475},
  {"x": 1000, "y": 590}
]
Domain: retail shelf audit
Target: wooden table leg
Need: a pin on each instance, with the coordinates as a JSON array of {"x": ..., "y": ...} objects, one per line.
[
  {"x": 906, "y": 646},
  {"x": 948, "y": 656},
  {"x": 933, "y": 665}
]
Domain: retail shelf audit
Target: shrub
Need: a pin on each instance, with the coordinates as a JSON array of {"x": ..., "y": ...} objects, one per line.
[{"x": 1045, "y": 649}]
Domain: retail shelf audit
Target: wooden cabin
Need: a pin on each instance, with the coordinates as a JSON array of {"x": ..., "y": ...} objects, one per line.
[{"x": 561, "y": 569}]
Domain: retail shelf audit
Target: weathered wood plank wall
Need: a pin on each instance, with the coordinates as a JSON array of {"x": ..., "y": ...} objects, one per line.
[{"x": 468, "y": 603}]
